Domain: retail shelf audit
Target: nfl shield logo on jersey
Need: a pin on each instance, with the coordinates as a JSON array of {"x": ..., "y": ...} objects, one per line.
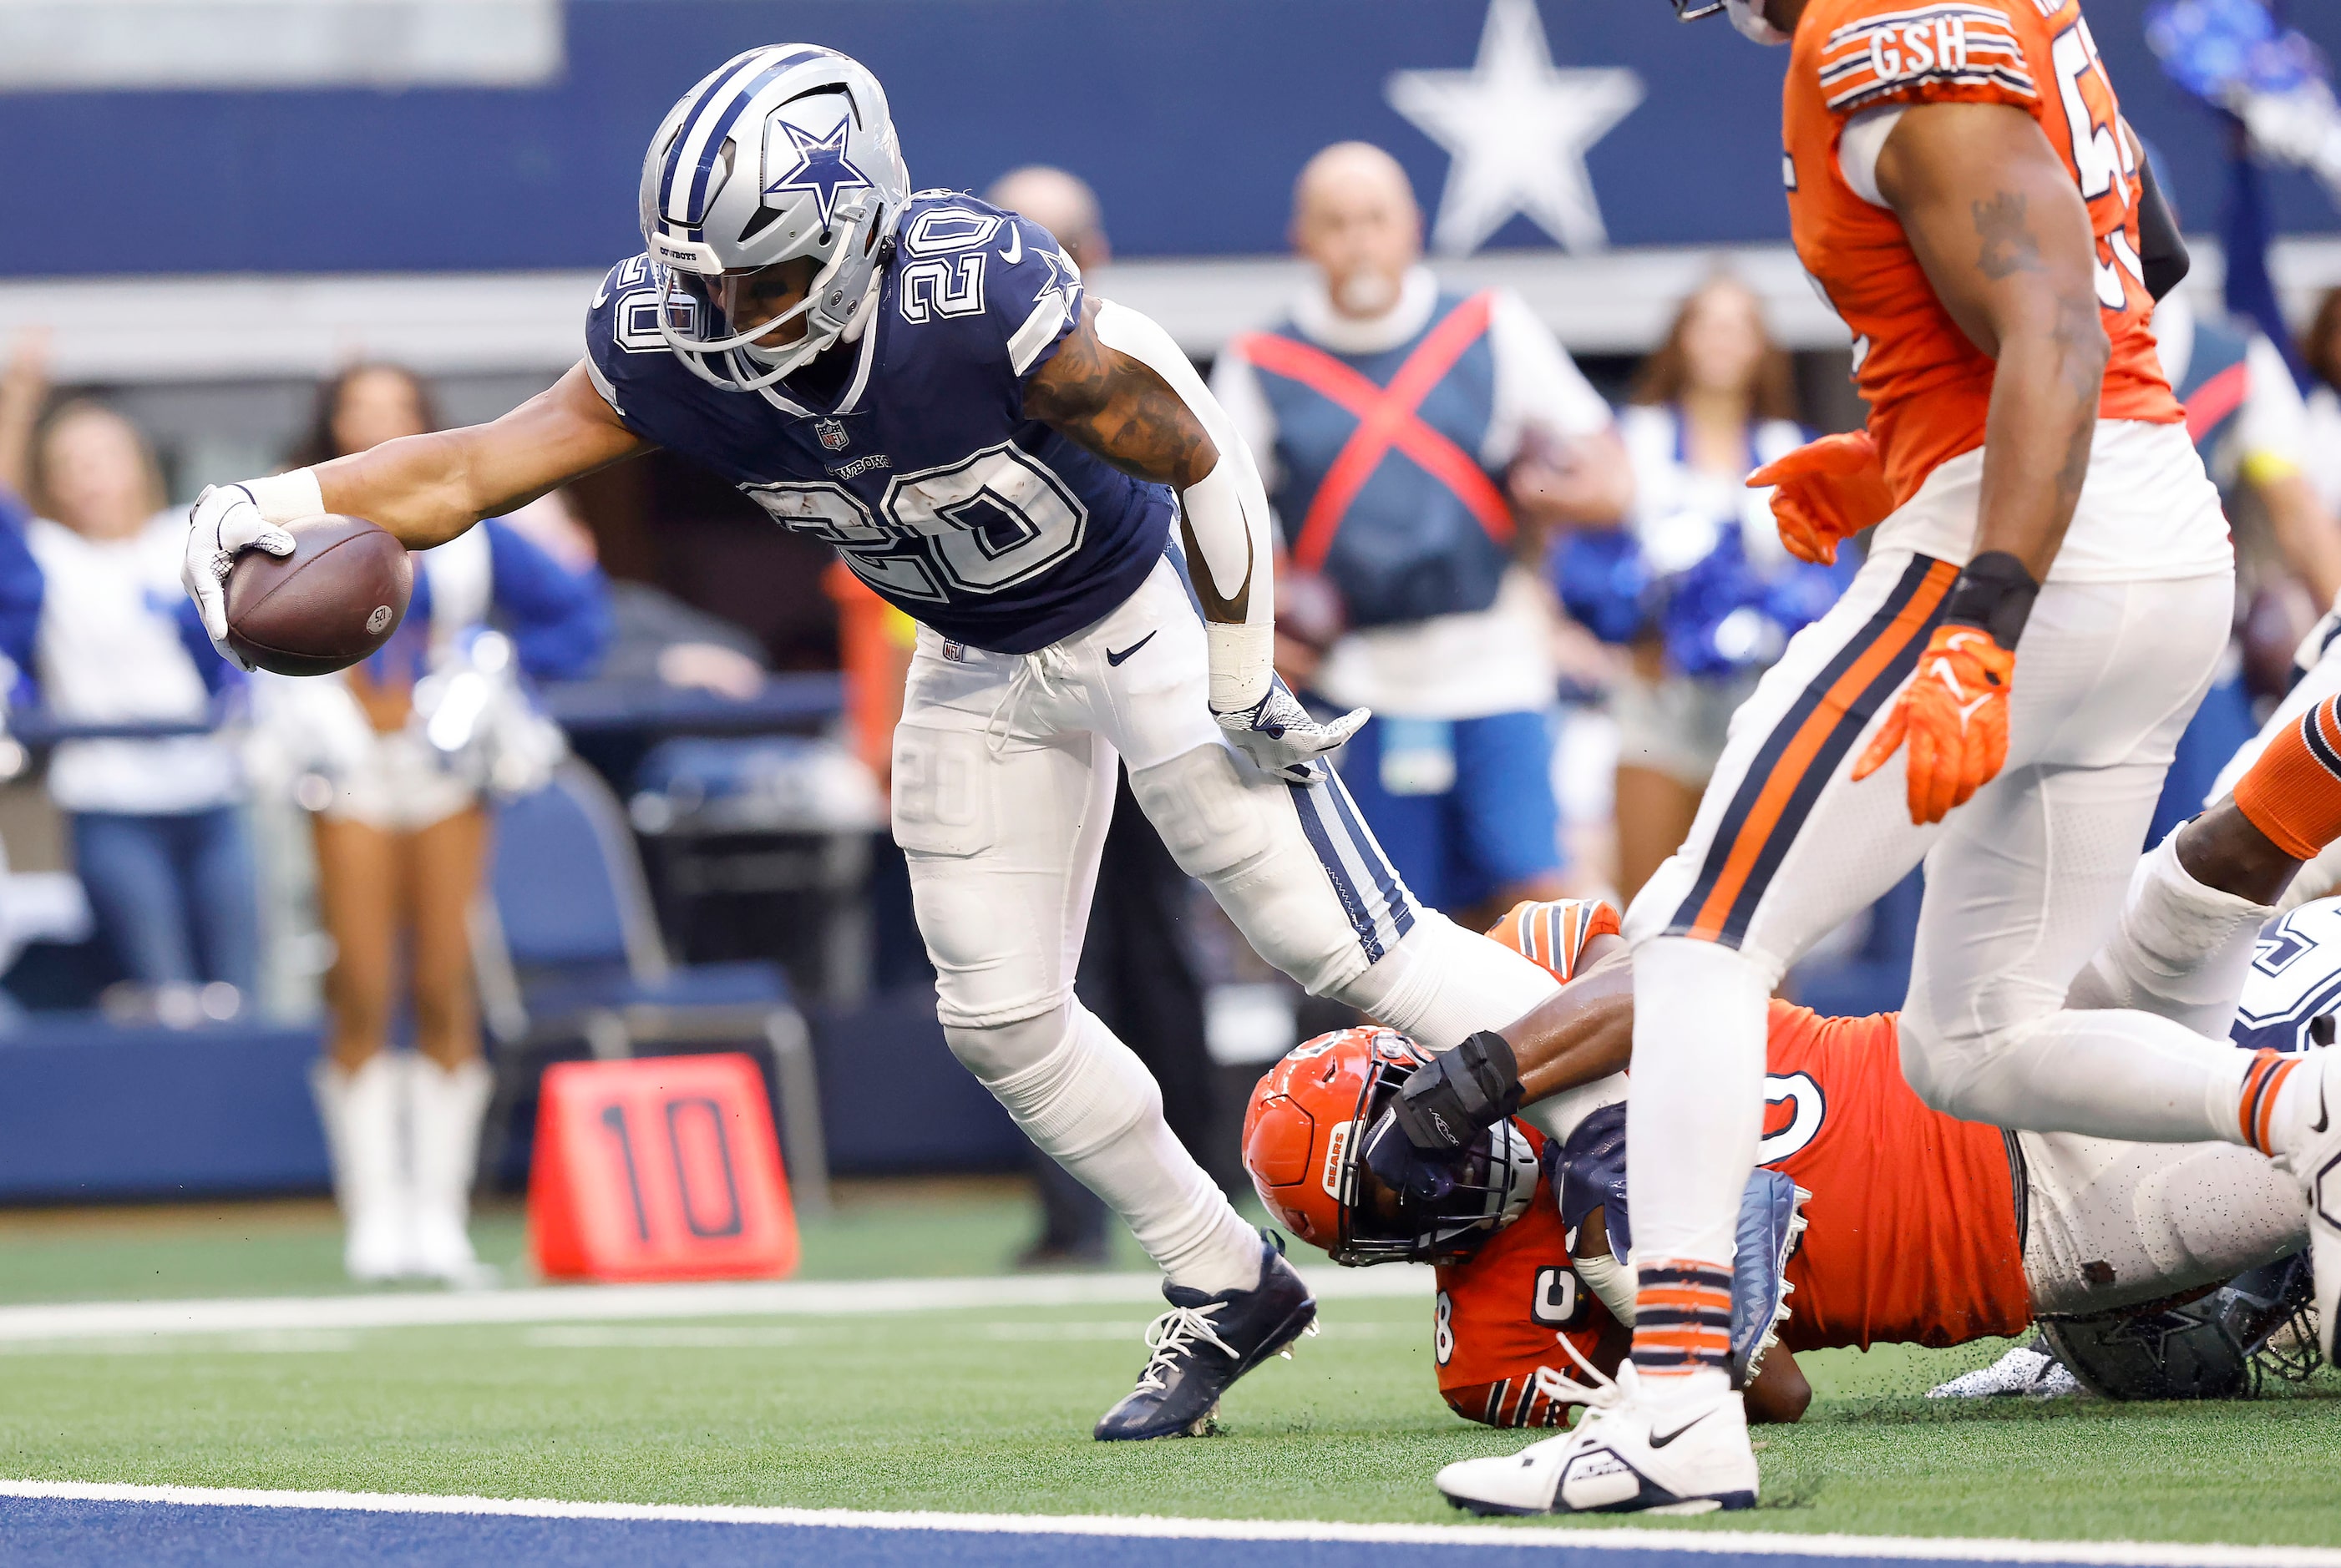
[{"x": 832, "y": 433}]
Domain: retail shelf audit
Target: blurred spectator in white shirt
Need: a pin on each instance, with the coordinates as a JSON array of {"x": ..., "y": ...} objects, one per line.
[
  {"x": 1416, "y": 444},
  {"x": 96, "y": 620}
]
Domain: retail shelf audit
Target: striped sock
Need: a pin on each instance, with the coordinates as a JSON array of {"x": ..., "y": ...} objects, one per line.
[
  {"x": 2293, "y": 793},
  {"x": 1682, "y": 1318},
  {"x": 2264, "y": 1078}
]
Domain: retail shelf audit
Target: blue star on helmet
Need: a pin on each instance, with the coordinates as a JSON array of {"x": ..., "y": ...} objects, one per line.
[{"x": 820, "y": 168}]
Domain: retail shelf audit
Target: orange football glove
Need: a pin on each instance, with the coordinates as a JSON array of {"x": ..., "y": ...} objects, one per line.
[
  {"x": 1826, "y": 491},
  {"x": 1954, "y": 714}
]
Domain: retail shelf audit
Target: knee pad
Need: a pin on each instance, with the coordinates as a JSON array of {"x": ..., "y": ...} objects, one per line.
[
  {"x": 998, "y": 1051},
  {"x": 1236, "y": 830},
  {"x": 1082, "y": 1090}
]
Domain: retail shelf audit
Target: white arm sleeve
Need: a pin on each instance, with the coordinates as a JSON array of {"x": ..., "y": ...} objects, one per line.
[
  {"x": 1537, "y": 383},
  {"x": 1236, "y": 384},
  {"x": 1857, "y": 146},
  {"x": 1227, "y": 513}
]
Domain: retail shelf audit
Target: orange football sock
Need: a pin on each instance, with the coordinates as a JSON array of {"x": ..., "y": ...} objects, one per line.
[
  {"x": 1682, "y": 1317},
  {"x": 2255, "y": 1109},
  {"x": 2293, "y": 793}
]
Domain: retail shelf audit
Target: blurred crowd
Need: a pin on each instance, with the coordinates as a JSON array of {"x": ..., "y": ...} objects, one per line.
[{"x": 1553, "y": 600}]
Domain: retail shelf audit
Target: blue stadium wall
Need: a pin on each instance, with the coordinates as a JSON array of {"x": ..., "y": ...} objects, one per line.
[{"x": 1190, "y": 118}]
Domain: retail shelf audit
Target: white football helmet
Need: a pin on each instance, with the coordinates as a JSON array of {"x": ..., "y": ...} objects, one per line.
[{"x": 784, "y": 152}]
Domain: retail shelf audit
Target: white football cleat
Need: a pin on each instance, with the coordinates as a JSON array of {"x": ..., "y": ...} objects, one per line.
[
  {"x": 1622, "y": 1457},
  {"x": 2315, "y": 1162}
]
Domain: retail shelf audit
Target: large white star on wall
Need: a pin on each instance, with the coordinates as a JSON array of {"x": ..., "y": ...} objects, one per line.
[{"x": 1517, "y": 129}]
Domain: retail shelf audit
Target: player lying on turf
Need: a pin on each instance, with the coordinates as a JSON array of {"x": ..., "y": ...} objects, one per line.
[
  {"x": 920, "y": 380},
  {"x": 1917, "y": 1228}
]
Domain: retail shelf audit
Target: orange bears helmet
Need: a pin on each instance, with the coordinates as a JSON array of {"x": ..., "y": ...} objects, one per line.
[{"x": 1300, "y": 1141}]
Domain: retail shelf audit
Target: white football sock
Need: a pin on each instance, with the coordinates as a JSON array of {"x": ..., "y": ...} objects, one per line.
[
  {"x": 2182, "y": 949},
  {"x": 1695, "y": 1111},
  {"x": 1093, "y": 1107},
  {"x": 1442, "y": 983}
]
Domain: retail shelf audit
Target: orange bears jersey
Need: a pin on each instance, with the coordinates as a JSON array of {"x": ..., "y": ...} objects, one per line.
[
  {"x": 1912, "y": 1233},
  {"x": 1927, "y": 386},
  {"x": 1501, "y": 1315}
]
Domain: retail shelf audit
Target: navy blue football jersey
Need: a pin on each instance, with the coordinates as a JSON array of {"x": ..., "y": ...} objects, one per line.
[{"x": 908, "y": 449}]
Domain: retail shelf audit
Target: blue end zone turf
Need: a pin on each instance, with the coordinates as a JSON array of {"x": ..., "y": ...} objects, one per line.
[{"x": 421, "y": 1532}]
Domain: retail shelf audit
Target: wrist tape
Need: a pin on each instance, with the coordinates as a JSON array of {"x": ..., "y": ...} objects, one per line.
[
  {"x": 284, "y": 497},
  {"x": 1996, "y": 592}
]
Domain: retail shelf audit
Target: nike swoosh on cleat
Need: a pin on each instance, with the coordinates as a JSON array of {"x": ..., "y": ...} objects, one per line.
[
  {"x": 1659, "y": 1442},
  {"x": 1115, "y": 658}
]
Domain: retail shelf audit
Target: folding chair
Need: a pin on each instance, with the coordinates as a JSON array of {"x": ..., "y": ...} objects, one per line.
[{"x": 567, "y": 947}]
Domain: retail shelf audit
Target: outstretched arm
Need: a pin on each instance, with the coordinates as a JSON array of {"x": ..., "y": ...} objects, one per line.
[
  {"x": 427, "y": 489},
  {"x": 1583, "y": 1032},
  {"x": 424, "y": 489},
  {"x": 2000, "y": 228}
]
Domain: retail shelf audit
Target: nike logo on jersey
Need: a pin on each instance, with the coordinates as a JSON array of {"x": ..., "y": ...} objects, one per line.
[
  {"x": 1115, "y": 658},
  {"x": 2323, "y": 1119},
  {"x": 1015, "y": 251},
  {"x": 1659, "y": 1442}
]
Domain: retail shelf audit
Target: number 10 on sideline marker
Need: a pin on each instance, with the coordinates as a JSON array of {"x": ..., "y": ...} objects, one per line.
[{"x": 660, "y": 1169}]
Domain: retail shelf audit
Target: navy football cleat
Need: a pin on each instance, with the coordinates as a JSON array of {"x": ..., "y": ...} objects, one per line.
[{"x": 1205, "y": 1343}]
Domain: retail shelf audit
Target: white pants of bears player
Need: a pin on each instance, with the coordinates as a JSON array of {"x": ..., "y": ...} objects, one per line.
[
  {"x": 1003, "y": 781},
  {"x": 2024, "y": 883}
]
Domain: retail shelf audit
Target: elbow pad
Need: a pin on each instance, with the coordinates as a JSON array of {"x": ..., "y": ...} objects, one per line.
[{"x": 2161, "y": 249}]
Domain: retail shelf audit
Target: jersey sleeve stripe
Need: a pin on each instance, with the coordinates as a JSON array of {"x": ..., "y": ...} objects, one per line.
[
  {"x": 1937, "y": 46},
  {"x": 1038, "y": 331}
]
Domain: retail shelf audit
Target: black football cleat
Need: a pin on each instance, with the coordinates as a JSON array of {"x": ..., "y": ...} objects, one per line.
[{"x": 1205, "y": 1343}]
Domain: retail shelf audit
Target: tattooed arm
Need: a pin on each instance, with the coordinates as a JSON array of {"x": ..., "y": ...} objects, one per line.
[
  {"x": 1998, "y": 223},
  {"x": 1118, "y": 386}
]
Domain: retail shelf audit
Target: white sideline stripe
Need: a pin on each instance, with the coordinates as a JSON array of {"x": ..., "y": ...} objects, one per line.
[
  {"x": 619, "y": 1302},
  {"x": 1899, "y": 1548}
]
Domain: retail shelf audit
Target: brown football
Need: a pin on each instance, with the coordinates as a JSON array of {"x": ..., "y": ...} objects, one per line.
[{"x": 333, "y": 601}]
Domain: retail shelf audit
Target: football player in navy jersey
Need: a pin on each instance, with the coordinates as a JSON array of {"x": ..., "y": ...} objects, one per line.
[{"x": 920, "y": 380}]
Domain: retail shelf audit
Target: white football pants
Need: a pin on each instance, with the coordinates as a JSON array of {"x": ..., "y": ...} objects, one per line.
[
  {"x": 2024, "y": 882},
  {"x": 1003, "y": 783}
]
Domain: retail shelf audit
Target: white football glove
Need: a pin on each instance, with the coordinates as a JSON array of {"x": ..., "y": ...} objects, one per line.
[
  {"x": 225, "y": 520},
  {"x": 1283, "y": 737}
]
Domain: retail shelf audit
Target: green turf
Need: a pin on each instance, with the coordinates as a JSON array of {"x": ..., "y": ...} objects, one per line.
[
  {"x": 274, "y": 1249},
  {"x": 990, "y": 1410}
]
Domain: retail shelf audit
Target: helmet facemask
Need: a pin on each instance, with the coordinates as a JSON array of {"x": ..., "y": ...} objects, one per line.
[
  {"x": 1494, "y": 1182},
  {"x": 1746, "y": 15}
]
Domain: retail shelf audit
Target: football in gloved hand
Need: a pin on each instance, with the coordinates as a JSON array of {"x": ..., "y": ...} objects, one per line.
[{"x": 333, "y": 601}]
